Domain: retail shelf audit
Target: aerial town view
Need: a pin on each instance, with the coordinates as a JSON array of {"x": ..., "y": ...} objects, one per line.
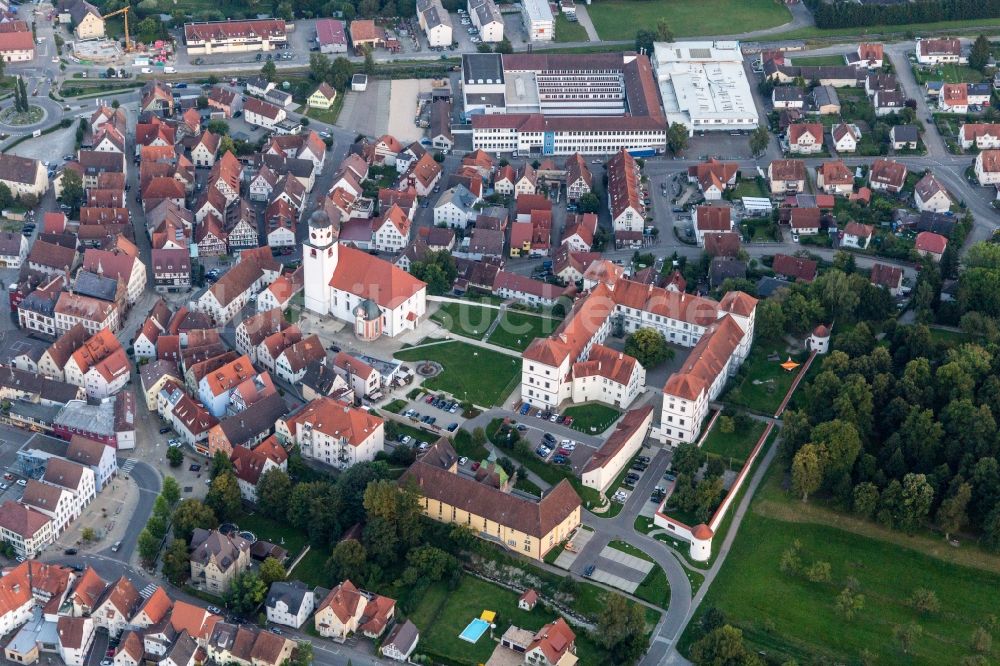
[{"x": 500, "y": 332}]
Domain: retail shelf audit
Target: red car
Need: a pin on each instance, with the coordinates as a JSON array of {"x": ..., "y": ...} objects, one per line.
[
  {"x": 564, "y": 452},
  {"x": 429, "y": 399},
  {"x": 475, "y": 466}
]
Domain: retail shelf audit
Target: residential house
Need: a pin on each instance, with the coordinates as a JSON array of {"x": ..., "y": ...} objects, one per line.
[
  {"x": 805, "y": 138},
  {"x": 347, "y": 610},
  {"x": 787, "y": 97},
  {"x": 806, "y": 221},
  {"x": 930, "y": 244},
  {"x": 713, "y": 177},
  {"x": 857, "y": 235},
  {"x": 711, "y": 219},
  {"x": 834, "y": 178},
  {"x": 983, "y": 136},
  {"x": 887, "y": 176},
  {"x": 391, "y": 232},
  {"x": 579, "y": 180},
  {"x": 888, "y": 101},
  {"x": 986, "y": 166},
  {"x": 954, "y": 98},
  {"x": 216, "y": 559},
  {"x": 23, "y": 175},
  {"x": 291, "y": 363},
  {"x": 786, "y": 177},
  {"x": 906, "y": 137},
  {"x": 334, "y": 433},
  {"x": 249, "y": 465},
  {"x": 402, "y": 640},
  {"x": 939, "y": 51},
  {"x": 845, "y": 137},
  {"x": 262, "y": 114},
  {"x": 289, "y": 603},
  {"x": 826, "y": 100},
  {"x": 323, "y": 97},
  {"x": 890, "y": 277},
  {"x": 930, "y": 195},
  {"x": 455, "y": 207},
  {"x": 796, "y": 268}
]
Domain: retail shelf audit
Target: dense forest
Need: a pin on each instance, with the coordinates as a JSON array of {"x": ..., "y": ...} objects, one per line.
[
  {"x": 842, "y": 14},
  {"x": 900, "y": 423}
]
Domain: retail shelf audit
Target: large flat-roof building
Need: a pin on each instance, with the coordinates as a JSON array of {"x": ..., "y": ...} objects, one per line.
[
  {"x": 562, "y": 104},
  {"x": 703, "y": 85}
]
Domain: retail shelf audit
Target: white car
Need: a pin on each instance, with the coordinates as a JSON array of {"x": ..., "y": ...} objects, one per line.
[
  {"x": 22, "y": 482},
  {"x": 463, "y": 460},
  {"x": 406, "y": 439}
]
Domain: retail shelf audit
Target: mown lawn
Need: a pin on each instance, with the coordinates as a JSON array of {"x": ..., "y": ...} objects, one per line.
[
  {"x": 789, "y": 617},
  {"x": 567, "y": 31},
  {"x": 282, "y": 534},
  {"x": 592, "y": 417},
  {"x": 818, "y": 61},
  {"x": 764, "y": 383},
  {"x": 735, "y": 446},
  {"x": 441, "y": 616},
  {"x": 472, "y": 373},
  {"x": 312, "y": 569},
  {"x": 516, "y": 330},
  {"x": 466, "y": 319},
  {"x": 977, "y": 26},
  {"x": 948, "y": 73},
  {"x": 619, "y": 19}
]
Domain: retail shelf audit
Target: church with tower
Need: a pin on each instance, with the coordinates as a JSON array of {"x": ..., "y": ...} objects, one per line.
[{"x": 372, "y": 294}]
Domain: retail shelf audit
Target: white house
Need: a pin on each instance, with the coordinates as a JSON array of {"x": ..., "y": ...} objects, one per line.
[
  {"x": 711, "y": 220},
  {"x": 391, "y": 232},
  {"x": 805, "y": 138},
  {"x": 76, "y": 635},
  {"x": 857, "y": 235},
  {"x": 486, "y": 17},
  {"x": 333, "y": 433},
  {"x": 618, "y": 450},
  {"x": 930, "y": 195},
  {"x": 987, "y": 167},
  {"x": 262, "y": 114},
  {"x": 435, "y": 22},
  {"x": 845, "y": 137},
  {"x": 455, "y": 207},
  {"x": 289, "y": 603}
]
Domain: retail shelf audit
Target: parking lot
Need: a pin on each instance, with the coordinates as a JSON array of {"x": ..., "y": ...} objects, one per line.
[{"x": 437, "y": 414}]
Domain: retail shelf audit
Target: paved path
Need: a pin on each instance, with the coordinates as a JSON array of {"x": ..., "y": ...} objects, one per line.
[{"x": 584, "y": 19}]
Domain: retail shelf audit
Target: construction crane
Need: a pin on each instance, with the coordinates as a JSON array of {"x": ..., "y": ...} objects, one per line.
[{"x": 123, "y": 10}]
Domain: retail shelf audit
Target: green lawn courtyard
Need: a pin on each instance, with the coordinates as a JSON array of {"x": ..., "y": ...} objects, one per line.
[
  {"x": 592, "y": 417},
  {"x": 762, "y": 384},
  {"x": 516, "y": 329},
  {"x": 472, "y": 373},
  {"x": 267, "y": 529},
  {"x": 733, "y": 446},
  {"x": 466, "y": 319},
  {"x": 620, "y": 19},
  {"x": 790, "y": 618},
  {"x": 949, "y": 73}
]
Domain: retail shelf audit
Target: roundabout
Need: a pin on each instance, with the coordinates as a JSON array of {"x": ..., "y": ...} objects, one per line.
[{"x": 11, "y": 117}]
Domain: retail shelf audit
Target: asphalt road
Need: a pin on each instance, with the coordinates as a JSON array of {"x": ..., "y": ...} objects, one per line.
[{"x": 148, "y": 480}]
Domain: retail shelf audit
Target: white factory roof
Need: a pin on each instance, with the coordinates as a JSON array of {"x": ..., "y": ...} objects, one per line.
[{"x": 703, "y": 81}]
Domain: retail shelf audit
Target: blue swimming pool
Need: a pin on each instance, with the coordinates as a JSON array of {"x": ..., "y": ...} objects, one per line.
[{"x": 475, "y": 630}]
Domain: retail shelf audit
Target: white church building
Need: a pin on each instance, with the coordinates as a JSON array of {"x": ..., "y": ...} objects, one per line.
[{"x": 373, "y": 294}]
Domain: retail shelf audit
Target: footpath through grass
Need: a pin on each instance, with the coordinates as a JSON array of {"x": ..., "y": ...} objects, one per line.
[
  {"x": 619, "y": 19},
  {"x": 788, "y": 617},
  {"x": 482, "y": 376},
  {"x": 567, "y": 31}
]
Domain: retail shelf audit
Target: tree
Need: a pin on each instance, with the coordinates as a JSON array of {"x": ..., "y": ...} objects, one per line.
[
  {"x": 6, "y": 198},
  {"x": 347, "y": 561},
  {"x": 149, "y": 548},
  {"x": 393, "y": 521},
  {"x": 224, "y": 496},
  {"x": 980, "y": 54},
  {"x": 274, "y": 489},
  {"x": 438, "y": 270},
  {"x": 663, "y": 32},
  {"x": 925, "y": 601},
  {"x": 341, "y": 71},
  {"x": 217, "y": 126},
  {"x": 906, "y": 634},
  {"x": 818, "y": 572},
  {"x": 176, "y": 563},
  {"x": 722, "y": 647},
  {"x": 504, "y": 47},
  {"x": 191, "y": 514},
  {"x": 677, "y": 138},
  {"x": 369, "y": 62},
  {"x": 302, "y": 655},
  {"x": 712, "y": 620},
  {"x": 269, "y": 71},
  {"x": 726, "y": 425},
  {"x": 171, "y": 490},
  {"x": 220, "y": 463},
  {"x": 952, "y": 514},
  {"x": 72, "y": 192},
  {"x": 621, "y": 628},
  {"x": 849, "y": 603},
  {"x": 865, "y": 499},
  {"x": 644, "y": 40},
  {"x": 271, "y": 570},
  {"x": 759, "y": 140},
  {"x": 770, "y": 323},
  {"x": 428, "y": 564},
  {"x": 982, "y": 641},
  {"x": 88, "y": 534},
  {"x": 246, "y": 592},
  {"x": 175, "y": 456},
  {"x": 842, "y": 443},
  {"x": 916, "y": 501},
  {"x": 649, "y": 347},
  {"x": 588, "y": 203},
  {"x": 807, "y": 470},
  {"x": 227, "y": 145}
]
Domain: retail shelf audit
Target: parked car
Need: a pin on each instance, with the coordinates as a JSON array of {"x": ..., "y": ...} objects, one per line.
[
  {"x": 214, "y": 609},
  {"x": 559, "y": 460},
  {"x": 589, "y": 571},
  {"x": 22, "y": 482},
  {"x": 164, "y": 430},
  {"x": 452, "y": 427},
  {"x": 463, "y": 460}
]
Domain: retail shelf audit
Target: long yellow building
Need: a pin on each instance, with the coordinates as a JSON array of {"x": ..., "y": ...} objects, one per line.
[{"x": 524, "y": 526}]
